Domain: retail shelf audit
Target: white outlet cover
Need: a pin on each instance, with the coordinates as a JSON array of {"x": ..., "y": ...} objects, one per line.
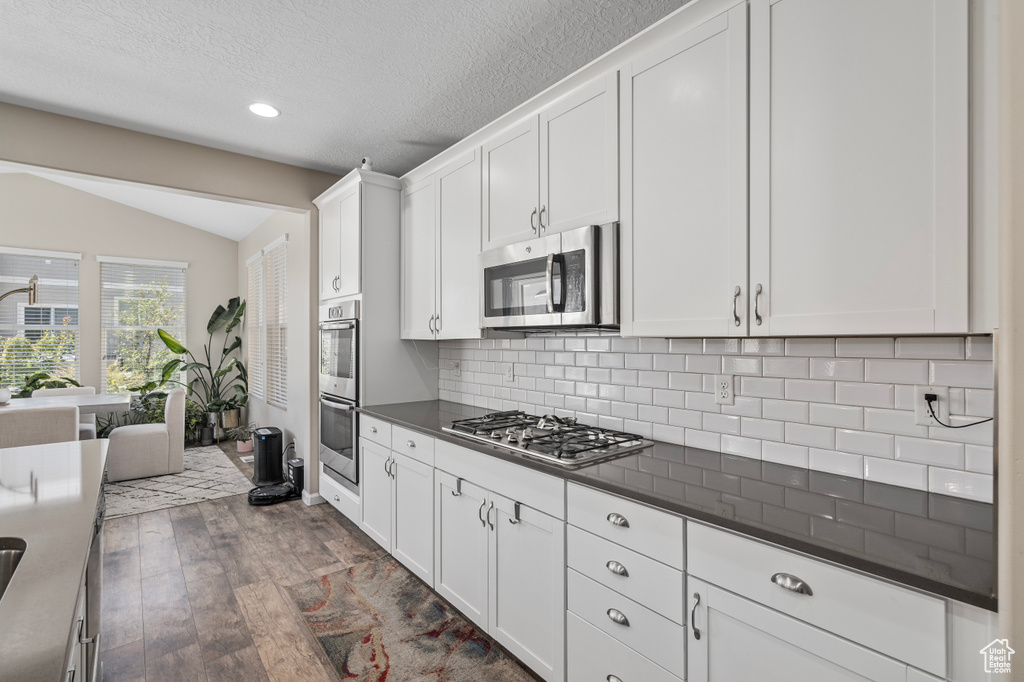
[
  {"x": 456, "y": 368},
  {"x": 509, "y": 372},
  {"x": 922, "y": 417},
  {"x": 724, "y": 393}
]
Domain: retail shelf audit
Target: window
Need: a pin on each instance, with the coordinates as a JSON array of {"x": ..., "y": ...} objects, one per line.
[
  {"x": 137, "y": 298},
  {"x": 43, "y": 337},
  {"x": 267, "y": 321}
]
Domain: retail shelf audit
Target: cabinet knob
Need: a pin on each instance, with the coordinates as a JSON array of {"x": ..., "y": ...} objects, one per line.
[
  {"x": 410, "y": 444},
  {"x": 614, "y": 678},
  {"x": 337, "y": 499},
  {"x": 618, "y": 617},
  {"x": 792, "y": 583},
  {"x": 617, "y": 568},
  {"x": 618, "y": 520},
  {"x": 373, "y": 429}
]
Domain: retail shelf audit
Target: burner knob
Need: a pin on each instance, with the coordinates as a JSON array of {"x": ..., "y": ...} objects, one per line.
[{"x": 496, "y": 435}]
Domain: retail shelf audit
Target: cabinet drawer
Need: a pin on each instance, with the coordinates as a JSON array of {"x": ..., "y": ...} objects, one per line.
[
  {"x": 907, "y": 625},
  {"x": 650, "y": 532},
  {"x": 594, "y": 657},
  {"x": 375, "y": 429},
  {"x": 647, "y": 633},
  {"x": 413, "y": 444},
  {"x": 643, "y": 580}
]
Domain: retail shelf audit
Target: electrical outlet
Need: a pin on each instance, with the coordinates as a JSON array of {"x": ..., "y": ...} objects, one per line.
[
  {"x": 509, "y": 372},
  {"x": 922, "y": 417},
  {"x": 455, "y": 367},
  {"x": 724, "y": 394}
]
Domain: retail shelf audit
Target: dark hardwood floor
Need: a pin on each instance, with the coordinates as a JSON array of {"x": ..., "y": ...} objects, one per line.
[{"x": 195, "y": 592}]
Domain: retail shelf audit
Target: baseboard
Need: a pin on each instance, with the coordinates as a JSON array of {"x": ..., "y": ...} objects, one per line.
[{"x": 311, "y": 499}]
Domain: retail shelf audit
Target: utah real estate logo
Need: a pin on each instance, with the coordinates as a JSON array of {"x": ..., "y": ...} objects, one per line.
[{"x": 997, "y": 656}]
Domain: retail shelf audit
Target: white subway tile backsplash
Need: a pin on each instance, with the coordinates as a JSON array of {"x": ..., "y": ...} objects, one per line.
[
  {"x": 810, "y": 390},
  {"x": 930, "y": 347},
  {"x": 865, "y": 395},
  {"x": 962, "y": 374},
  {"x": 760, "y": 387},
  {"x": 865, "y": 348},
  {"x": 785, "y": 410},
  {"x": 832, "y": 369},
  {"x": 896, "y": 473},
  {"x": 842, "y": 416},
  {"x": 896, "y": 371},
  {"x": 934, "y": 452},
  {"x": 843, "y": 406},
  {"x": 960, "y": 483}
]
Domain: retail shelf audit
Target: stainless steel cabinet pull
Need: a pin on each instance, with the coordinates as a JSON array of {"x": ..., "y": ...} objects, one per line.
[
  {"x": 550, "y": 275},
  {"x": 410, "y": 444},
  {"x": 693, "y": 611},
  {"x": 735, "y": 298},
  {"x": 430, "y": 325},
  {"x": 533, "y": 215},
  {"x": 618, "y": 520},
  {"x": 489, "y": 523},
  {"x": 480, "y": 513},
  {"x": 540, "y": 218},
  {"x": 437, "y": 324},
  {"x": 516, "y": 518},
  {"x": 458, "y": 488},
  {"x": 614, "y": 678},
  {"x": 618, "y": 617},
  {"x": 792, "y": 583},
  {"x": 757, "y": 312},
  {"x": 617, "y": 568},
  {"x": 386, "y": 463}
]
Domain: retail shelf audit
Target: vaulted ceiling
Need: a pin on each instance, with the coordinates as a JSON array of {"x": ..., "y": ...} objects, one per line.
[{"x": 398, "y": 81}]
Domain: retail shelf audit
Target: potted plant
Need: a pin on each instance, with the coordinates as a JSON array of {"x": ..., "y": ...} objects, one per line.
[
  {"x": 242, "y": 435},
  {"x": 218, "y": 389}
]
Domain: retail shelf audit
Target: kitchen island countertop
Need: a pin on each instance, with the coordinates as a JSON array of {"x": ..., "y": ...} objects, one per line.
[{"x": 936, "y": 543}]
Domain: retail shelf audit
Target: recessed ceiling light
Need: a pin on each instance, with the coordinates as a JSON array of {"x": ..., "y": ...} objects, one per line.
[{"x": 261, "y": 109}]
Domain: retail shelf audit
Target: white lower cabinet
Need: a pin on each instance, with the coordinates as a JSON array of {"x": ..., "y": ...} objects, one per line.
[
  {"x": 733, "y": 638},
  {"x": 502, "y": 564},
  {"x": 595, "y": 656},
  {"x": 396, "y": 497}
]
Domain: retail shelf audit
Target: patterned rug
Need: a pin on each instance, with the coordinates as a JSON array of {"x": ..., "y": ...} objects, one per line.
[
  {"x": 378, "y": 623},
  {"x": 208, "y": 474}
]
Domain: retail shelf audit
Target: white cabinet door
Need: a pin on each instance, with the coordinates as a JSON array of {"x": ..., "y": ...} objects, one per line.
[
  {"x": 684, "y": 184},
  {"x": 419, "y": 260},
  {"x": 527, "y": 579},
  {"x": 458, "y": 188},
  {"x": 741, "y": 640},
  {"x": 579, "y": 162},
  {"x": 460, "y": 545},
  {"x": 349, "y": 281},
  {"x": 413, "y": 531},
  {"x": 859, "y": 166},
  {"x": 511, "y": 186},
  {"x": 375, "y": 492},
  {"x": 330, "y": 246}
]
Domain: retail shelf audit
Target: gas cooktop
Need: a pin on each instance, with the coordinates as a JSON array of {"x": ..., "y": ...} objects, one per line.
[{"x": 557, "y": 440}]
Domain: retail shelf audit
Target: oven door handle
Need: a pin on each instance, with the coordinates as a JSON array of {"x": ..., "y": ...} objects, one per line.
[
  {"x": 328, "y": 402},
  {"x": 550, "y": 273},
  {"x": 329, "y": 326}
]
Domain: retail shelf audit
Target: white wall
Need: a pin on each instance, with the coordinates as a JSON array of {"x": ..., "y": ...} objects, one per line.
[
  {"x": 296, "y": 421},
  {"x": 40, "y": 214}
]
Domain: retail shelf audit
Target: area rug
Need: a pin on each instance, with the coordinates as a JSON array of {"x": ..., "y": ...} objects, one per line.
[
  {"x": 378, "y": 623},
  {"x": 208, "y": 474}
]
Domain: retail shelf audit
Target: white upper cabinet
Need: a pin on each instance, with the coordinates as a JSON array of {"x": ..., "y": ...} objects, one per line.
[
  {"x": 555, "y": 170},
  {"x": 340, "y": 243},
  {"x": 684, "y": 182},
  {"x": 440, "y": 245},
  {"x": 330, "y": 247},
  {"x": 859, "y": 166}
]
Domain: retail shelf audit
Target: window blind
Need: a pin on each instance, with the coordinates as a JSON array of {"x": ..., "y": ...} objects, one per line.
[
  {"x": 256, "y": 330},
  {"x": 276, "y": 281},
  {"x": 136, "y": 299},
  {"x": 43, "y": 337}
]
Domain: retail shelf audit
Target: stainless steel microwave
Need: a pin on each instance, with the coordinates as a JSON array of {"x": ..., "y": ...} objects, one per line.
[
  {"x": 565, "y": 280},
  {"x": 339, "y": 346}
]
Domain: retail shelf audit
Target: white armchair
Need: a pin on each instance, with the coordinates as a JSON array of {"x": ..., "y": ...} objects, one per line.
[
  {"x": 87, "y": 428},
  {"x": 144, "y": 450},
  {"x": 38, "y": 425}
]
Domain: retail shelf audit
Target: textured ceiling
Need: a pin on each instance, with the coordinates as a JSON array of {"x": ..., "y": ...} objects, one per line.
[{"x": 398, "y": 81}]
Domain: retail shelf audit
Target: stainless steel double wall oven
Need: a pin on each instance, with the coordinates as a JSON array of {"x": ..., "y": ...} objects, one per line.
[{"x": 339, "y": 392}]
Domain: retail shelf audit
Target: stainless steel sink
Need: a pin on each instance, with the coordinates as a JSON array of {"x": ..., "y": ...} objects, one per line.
[{"x": 11, "y": 551}]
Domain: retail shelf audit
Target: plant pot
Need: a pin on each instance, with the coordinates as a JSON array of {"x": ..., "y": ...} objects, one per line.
[
  {"x": 206, "y": 435},
  {"x": 230, "y": 419},
  {"x": 244, "y": 445}
]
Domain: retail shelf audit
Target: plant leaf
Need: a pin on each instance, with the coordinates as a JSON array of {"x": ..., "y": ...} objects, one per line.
[
  {"x": 172, "y": 343},
  {"x": 222, "y": 372},
  {"x": 221, "y": 316},
  {"x": 237, "y": 318},
  {"x": 237, "y": 343}
]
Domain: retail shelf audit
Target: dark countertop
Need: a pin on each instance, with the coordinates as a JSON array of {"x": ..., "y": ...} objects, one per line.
[
  {"x": 937, "y": 543},
  {"x": 37, "y": 612}
]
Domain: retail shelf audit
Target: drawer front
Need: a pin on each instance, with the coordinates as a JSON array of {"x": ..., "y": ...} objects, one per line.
[
  {"x": 413, "y": 444},
  {"x": 907, "y": 625},
  {"x": 650, "y": 532},
  {"x": 646, "y": 581},
  {"x": 374, "y": 429},
  {"x": 647, "y": 633},
  {"x": 594, "y": 657}
]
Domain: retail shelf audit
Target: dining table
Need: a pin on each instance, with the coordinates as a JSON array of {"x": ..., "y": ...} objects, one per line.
[{"x": 103, "y": 403}]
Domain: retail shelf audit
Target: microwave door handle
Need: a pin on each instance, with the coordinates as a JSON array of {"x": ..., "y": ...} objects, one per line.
[{"x": 551, "y": 282}]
